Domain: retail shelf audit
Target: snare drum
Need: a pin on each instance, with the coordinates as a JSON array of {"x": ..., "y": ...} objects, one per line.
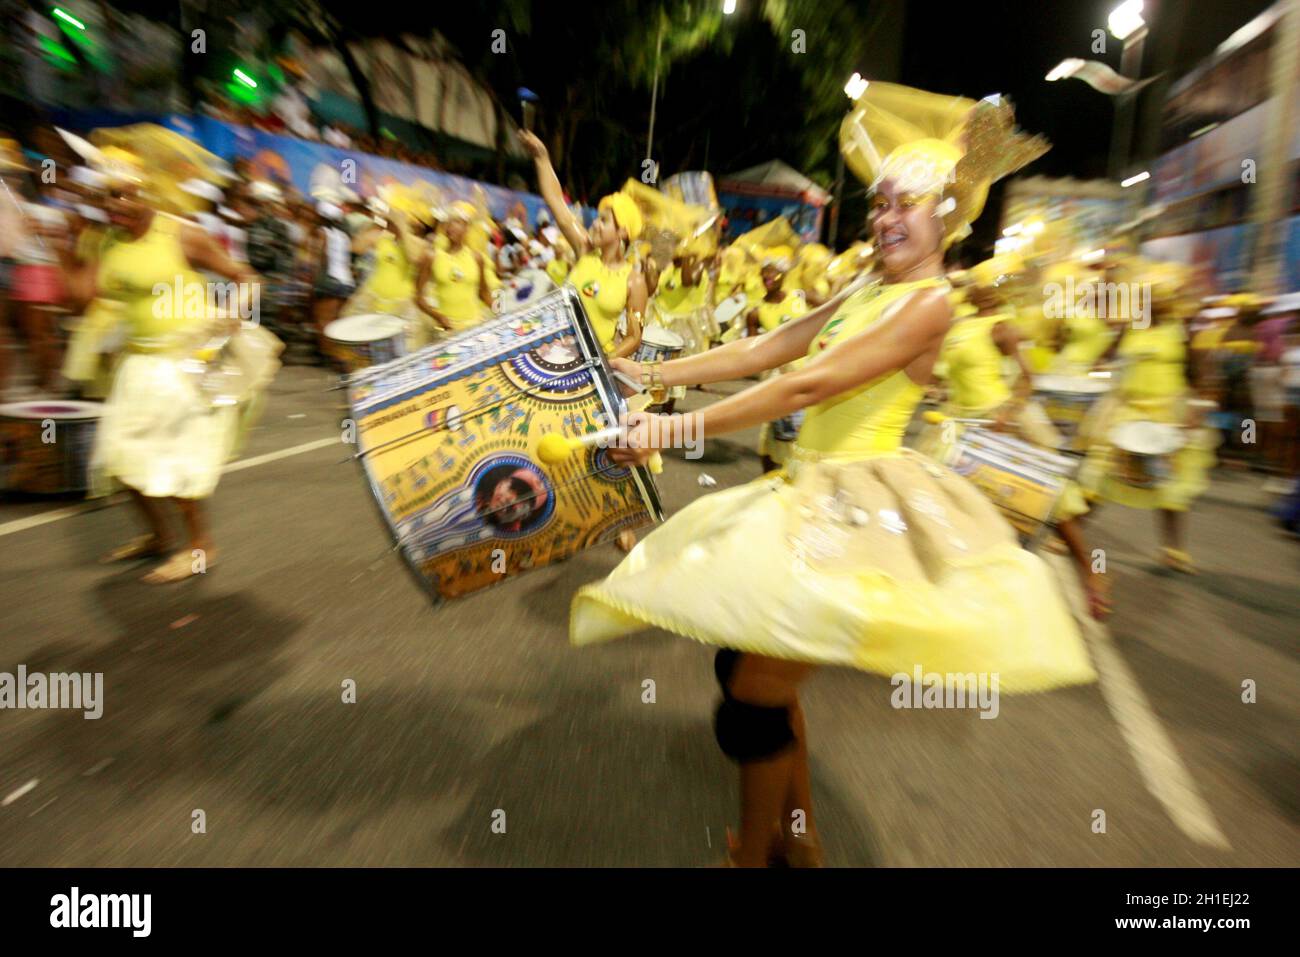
[
  {"x": 1144, "y": 452},
  {"x": 1067, "y": 400},
  {"x": 658, "y": 344},
  {"x": 527, "y": 286},
  {"x": 730, "y": 311},
  {"x": 360, "y": 341},
  {"x": 46, "y": 446}
]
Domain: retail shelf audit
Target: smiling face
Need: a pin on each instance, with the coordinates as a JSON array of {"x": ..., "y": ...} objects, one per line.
[{"x": 905, "y": 227}]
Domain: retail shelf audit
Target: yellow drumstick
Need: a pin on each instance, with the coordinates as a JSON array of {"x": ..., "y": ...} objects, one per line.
[{"x": 554, "y": 448}]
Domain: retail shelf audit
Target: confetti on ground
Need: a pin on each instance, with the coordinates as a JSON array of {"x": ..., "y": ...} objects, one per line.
[
  {"x": 30, "y": 785},
  {"x": 97, "y": 768},
  {"x": 298, "y": 415},
  {"x": 182, "y": 622},
  {"x": 43, "y": 806},
  {"x": 707, "y": 480}
]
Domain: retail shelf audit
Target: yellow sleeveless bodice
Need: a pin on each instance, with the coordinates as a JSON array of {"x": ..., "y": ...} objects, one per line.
[
  {"x": 604, "y": 294},
  {"x": 871, "y": 419},
  {"x": 152, "y": 284},
  {"x": 974, "y": 364}
]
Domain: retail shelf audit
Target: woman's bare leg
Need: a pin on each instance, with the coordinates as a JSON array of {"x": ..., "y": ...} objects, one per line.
[
  {"x": 194, "y": 559},
  {"x": 766, "y": 784}
]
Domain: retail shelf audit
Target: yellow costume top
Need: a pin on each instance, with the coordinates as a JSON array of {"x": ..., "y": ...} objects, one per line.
[
  {"x": 974, "y": 365},
  {"x": 604, "y": 294},
  {"x": 456, "y": 282},
  {"x": 130, "y": 269},
  {"x": 673, "y": 295},
  {"x": 1087, "y": 338},
  {"x": 872, "y": 418},
  {"x": 558, "y": 270},
  {"x": 393, "y": 276},
  {"x": 773, "y": 314},
  {"x": 1157, "y": 355}
]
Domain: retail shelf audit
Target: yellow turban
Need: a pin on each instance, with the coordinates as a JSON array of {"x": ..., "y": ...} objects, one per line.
[{"x": 625, "y": 212}]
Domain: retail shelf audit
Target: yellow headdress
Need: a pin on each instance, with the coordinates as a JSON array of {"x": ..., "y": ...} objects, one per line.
[
  {"x": 157, "y": 158},
  {"x": 625, "y": 212},
  {"x": 927, "y": 143}
]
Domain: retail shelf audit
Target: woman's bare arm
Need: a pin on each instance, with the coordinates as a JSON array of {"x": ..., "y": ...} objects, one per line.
[
  {"x": 548, "y": 184},
  {"x": 918, "y": 329}
]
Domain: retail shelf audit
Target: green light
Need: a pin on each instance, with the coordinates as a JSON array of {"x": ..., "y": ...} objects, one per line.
[
  {"x": 69, "y": 19},
  {"x": 245, "y": 79},
  {"x": 56, "y": 51}
]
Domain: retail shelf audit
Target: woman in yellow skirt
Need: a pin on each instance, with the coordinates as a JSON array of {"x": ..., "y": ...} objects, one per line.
[
  {"x": 861, "y": 553},
  {"x": 159, "y": 435},
  {"x": 1156, "y": 385},
  {"x": 459, "y": 275},
  {"x": 610, "y": 280},
  {"x": 778, "y": 307},
  {"x": 972, "y": 357}
]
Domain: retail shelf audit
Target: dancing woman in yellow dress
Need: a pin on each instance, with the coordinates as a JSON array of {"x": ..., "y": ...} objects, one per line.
[
  {"x": 159, "y": 435},
  {"x": 459, "y": 274},
  {"x": 390, "y": 287},
  {"x": 862, "y": 553},
  {"x": 1157, "y": 384},
  {"x": 611, "y": 282}
]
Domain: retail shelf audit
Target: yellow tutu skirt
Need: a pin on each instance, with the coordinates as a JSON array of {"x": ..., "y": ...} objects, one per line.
[
  {"x": 158, "y": 433},
  {"x": 885, "y": 564},
  {"x": 1189, "y": 467}
]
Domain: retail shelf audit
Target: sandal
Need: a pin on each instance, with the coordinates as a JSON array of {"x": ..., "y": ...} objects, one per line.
[
  {"x": 178, "y": 568},
  {"x": 1177, "y": 560}
]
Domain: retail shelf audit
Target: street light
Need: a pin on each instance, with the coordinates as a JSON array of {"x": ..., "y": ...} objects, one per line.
[
  {"x": 856, "y": 86},
  {"x": 1126, "y": 19},
  {"x": 728, "y": 7},
  {"x": 1134, "y": 180}
]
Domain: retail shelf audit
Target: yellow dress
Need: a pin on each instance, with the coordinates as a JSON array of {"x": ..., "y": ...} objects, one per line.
[
  {"x": 158, "y": 434},
  {"x": 456, "y": 283},
  {"x": 604, "y": 295},
  {"x": 860, "y": 553},
  {"x": 1153, "y": 388}
]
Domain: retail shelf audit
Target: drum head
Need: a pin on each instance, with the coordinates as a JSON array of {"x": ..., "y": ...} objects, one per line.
[
  {"x": 63, "y": 410},
  {"x": 1071, "y": 384},
  {"x": 365, "y": 328},
  {"x": 661, "y": 337},
  {"x": 729, "y": 309},
  {"x": 1147, "y": 438}
]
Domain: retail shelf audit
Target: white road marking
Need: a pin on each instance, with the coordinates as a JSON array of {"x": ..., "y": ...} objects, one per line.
[
  {"x": 14, "y": 796},
  {"x": 1162, "y": 770},
  {"x": 58, "y": 514}
]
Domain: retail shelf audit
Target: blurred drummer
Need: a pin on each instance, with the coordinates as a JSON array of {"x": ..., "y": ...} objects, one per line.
[
  {"x": 776, "y": 308},
  {"x": 159, "y": 435},
  {"x": 1159, "y": 384},
  {"x": 390, "y": 286},
  {"x": 611, "y": 282},
  {"x": 972, "y": 357},
  {"x": 459, "y": 276}
]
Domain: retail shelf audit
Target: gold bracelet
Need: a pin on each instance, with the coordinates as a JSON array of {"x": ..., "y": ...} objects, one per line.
[{"x": 653, "y": 379}]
